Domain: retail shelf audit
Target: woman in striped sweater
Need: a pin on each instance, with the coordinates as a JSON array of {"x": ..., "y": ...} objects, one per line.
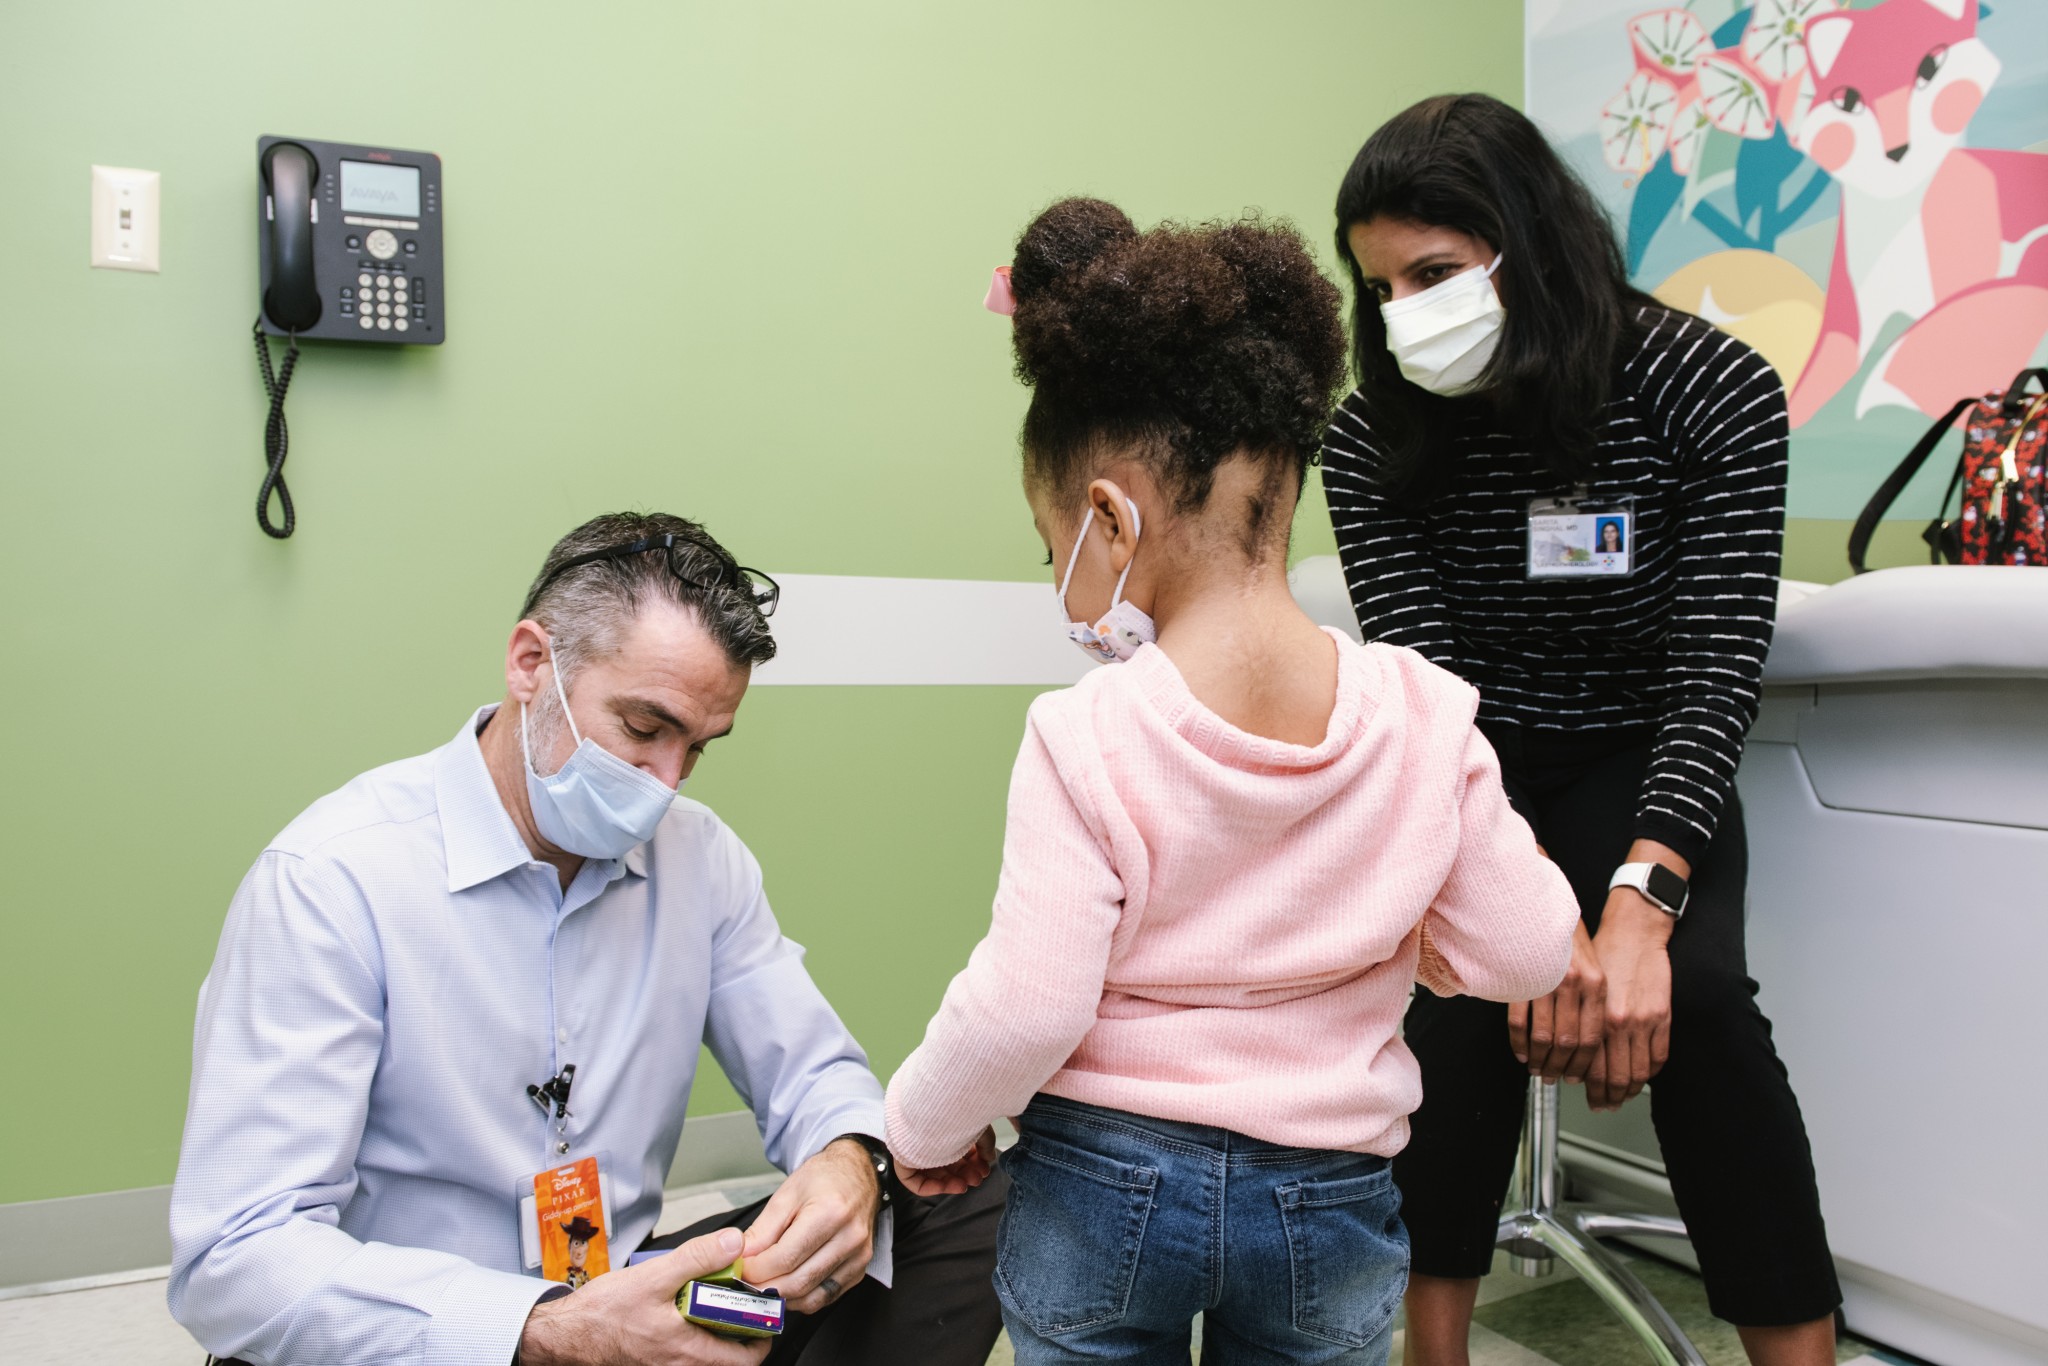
[{"x": 1574, "y": 498}]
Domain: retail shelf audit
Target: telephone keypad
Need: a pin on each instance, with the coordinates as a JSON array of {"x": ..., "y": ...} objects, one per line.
[{"x": 382, "y": 301}]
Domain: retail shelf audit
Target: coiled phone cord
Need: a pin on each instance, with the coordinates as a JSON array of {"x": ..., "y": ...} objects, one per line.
[{"x": 276, "y": 437}]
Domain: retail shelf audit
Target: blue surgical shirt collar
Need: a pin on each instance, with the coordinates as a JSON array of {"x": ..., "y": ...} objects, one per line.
[{"x": 479, "y": 840}]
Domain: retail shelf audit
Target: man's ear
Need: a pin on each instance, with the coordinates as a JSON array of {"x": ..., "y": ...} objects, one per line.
[
  {"x": 1116, "y": 518},
  {"x": 524, "y": 654}
]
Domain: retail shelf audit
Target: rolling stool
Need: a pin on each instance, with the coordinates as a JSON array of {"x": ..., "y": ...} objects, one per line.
[{"x": 1541, "y": 1229}]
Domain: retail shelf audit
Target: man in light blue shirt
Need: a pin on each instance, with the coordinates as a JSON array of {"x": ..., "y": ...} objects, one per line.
[{"x": 490, "y": 962}]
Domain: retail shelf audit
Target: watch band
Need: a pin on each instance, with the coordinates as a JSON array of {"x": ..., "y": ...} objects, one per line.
[
  {"x": 880, "y": 1159},
  {"x": 1661, "y": 887}
]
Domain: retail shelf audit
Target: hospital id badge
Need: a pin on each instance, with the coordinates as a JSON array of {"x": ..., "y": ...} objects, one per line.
[
  {"x": 565, "y": 1223},
  {"x": 1582, "y": 537}
]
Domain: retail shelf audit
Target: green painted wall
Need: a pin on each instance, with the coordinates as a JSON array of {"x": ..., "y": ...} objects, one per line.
[{"x": 725, "y": 260}]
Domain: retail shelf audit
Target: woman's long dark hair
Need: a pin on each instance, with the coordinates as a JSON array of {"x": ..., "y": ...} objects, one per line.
[{"x": 1475, "y": 164}]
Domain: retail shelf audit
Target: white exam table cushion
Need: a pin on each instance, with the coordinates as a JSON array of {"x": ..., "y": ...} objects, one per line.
[{"x": 1920, "y": 622}]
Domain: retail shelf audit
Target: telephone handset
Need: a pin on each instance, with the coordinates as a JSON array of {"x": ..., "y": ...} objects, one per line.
[
  {"x": 349, "y": 244},
  {"x": 291, "y": 299}
]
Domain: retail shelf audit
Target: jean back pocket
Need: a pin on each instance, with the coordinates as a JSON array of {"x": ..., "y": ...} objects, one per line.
[
  {"x": 1073, "y": 1226},
  {"x": 1348, "y": 1253}
]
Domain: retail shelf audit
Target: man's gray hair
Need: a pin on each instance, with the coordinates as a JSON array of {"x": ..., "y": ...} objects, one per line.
[{"x": 588, "y": 610}]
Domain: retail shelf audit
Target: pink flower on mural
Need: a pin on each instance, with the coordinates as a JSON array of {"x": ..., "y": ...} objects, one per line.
[
  {"x": 1669, "y": 42},
  {"x": 1635, "y": 124},
  {"x": 1736, "y": 98},
  {"x": 1683, "y": 85},
  {"x": 1774, "y": 44}
]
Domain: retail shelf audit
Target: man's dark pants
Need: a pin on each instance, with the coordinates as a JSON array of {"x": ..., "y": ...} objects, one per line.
[{"x": 941, "y": 1309}]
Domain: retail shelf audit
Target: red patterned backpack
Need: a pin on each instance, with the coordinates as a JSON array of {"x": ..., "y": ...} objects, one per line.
[{"x": 2003, "y": 475}]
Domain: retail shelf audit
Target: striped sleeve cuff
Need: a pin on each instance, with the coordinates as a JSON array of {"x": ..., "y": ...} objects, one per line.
[
  {"x": 481, "y": 1316},
  {"x": 1685, "y": 839}
]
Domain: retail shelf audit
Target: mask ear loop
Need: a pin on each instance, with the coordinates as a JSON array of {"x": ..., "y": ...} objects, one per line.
[
  {"x": 1116, "y": 595},
  {"x": 1074, "y": 559},
  {"x": 556, "y": 670},
  {"x": 526, "y": 749}
]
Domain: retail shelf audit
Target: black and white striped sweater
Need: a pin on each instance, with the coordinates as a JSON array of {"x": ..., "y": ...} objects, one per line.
[{"x": 1696, "y": 431}]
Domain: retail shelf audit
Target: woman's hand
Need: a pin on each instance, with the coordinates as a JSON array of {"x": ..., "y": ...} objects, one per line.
[
  {"x": 1557, "y": 1036},
  {"x": 1632, "y": 944},
  {"x": 955, "y": 1178}
]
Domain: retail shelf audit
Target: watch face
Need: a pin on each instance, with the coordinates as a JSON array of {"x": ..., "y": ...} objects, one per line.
[{"x": 1667, "y": 887}]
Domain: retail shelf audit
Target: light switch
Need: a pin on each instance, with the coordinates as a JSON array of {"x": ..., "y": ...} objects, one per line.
[{"x": 125, "y": 218}]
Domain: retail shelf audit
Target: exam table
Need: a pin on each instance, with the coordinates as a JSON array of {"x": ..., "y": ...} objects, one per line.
[{"x": 1896, "y": 787}]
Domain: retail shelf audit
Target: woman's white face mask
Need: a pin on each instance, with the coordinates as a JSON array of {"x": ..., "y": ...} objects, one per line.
[{"x": 1443, "y": 336}]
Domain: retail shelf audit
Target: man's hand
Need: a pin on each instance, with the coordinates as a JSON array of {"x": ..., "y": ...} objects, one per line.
[
  {"x": 955, "y": 1178},
  {"x": 813, "y": 1240},
  {"x": 629, "y": 1317},
  {"x": 1634, "y": 933},
  {"x": 1558, "y": 1036}
]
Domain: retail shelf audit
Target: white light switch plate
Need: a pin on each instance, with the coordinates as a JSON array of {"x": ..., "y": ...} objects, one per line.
[{"x": 125, "y": 218}]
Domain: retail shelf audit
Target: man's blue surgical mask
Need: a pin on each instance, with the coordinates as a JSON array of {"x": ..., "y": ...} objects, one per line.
[{"x": 596, "y": 805}]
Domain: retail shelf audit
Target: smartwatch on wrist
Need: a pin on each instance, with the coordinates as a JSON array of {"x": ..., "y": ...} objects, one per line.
[
  {"x": 878, "y": 1158},
  {"x": 1661, "y": 887}
]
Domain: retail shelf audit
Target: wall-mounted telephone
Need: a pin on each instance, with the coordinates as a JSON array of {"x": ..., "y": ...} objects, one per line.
[{"x": 350, "y": 250}]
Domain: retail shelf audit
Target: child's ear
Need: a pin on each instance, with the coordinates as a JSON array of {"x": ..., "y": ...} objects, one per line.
[{"x": 1116, "y": 517}]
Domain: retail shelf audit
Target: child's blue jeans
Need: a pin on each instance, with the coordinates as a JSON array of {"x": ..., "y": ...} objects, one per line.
[{"x": 1121, "y": 1228}]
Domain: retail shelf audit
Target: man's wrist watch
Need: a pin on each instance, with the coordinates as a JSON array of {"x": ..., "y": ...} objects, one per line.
[
  {"x": 878, "y": 1157},
  {"x": 1661, "y": 887}
]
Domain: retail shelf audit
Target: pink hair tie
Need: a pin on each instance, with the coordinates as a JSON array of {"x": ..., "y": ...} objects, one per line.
[{"x": 1000, "y": 299}]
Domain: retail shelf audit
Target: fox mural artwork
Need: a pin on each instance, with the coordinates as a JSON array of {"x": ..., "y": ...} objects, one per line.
[
  {"x": 1952, "y": 237},
  {"x": 1822, "y": 179}
]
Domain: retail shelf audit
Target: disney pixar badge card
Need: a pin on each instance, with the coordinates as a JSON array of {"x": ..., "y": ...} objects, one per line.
[{"x": 569, "y": 1207}]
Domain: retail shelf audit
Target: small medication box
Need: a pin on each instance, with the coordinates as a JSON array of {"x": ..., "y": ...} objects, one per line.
[{"x": 726, "y": 1305}]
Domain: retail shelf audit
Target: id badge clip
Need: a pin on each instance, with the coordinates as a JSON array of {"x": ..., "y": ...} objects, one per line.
[
  {"x": 1582, "y": 536},
  {"x": 724, "y": 1304},
  {"x": 565, "y": 1212}
]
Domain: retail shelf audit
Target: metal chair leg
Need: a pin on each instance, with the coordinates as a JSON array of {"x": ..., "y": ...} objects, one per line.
[{"x": 1542, "y": 1230}]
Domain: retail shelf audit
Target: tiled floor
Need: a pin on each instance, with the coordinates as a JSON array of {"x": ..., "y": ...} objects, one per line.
[{"x": 1550, "y": 1322}]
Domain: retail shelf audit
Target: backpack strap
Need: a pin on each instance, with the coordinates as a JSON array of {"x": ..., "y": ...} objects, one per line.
[
  {"x": 1881, "y": 501},
  {"x": 2016, "y": 396},
  {"x": 1943, "y": 542}
]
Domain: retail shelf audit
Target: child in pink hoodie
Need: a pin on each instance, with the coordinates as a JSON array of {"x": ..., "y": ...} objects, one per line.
[{"x": 1227, "y": 858}]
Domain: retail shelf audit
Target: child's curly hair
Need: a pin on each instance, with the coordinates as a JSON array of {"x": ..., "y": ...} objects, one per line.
[{"x": 1180, "y": 347}]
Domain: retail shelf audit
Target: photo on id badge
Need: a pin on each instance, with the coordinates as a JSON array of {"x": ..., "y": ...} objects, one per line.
[
  {"x": 1571, "y": 539},
  {"x": 569, "y": 1214}
]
